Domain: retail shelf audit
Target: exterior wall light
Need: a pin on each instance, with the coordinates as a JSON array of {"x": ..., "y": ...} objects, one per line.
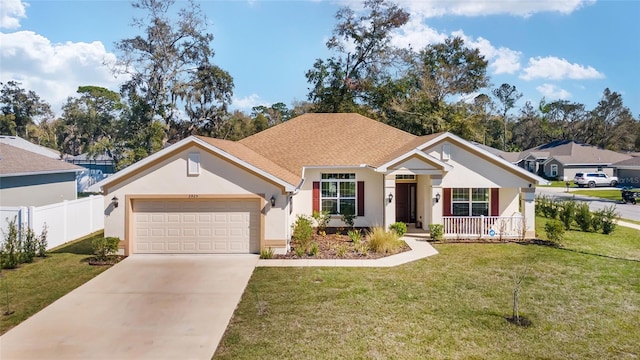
[
  {"x": 273, "y": 200},
  {"x": 437, "y": 198},
  {"x": 114, "y": 201},
  {"x": 390, "y": 198}
]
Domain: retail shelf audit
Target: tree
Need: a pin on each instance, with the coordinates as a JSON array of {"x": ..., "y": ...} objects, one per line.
[
  {"x": 275, "y": 114},
  {"x": 20, "y": 108},
  {"x": 610, "y": 125},
  {"x": 89, "y": 121},
  {"x": 507, "y": 95},
  {"x": 363, "y": 53},
  {"x": 171, "y": 62},
  {"x": 435, "y": 74}
]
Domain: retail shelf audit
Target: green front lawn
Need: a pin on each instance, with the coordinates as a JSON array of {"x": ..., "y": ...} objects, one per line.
[
  {"x": 32, "y": 287},
  {"x": 603, "y": 194},
  {"x": 452, "y": 305}
]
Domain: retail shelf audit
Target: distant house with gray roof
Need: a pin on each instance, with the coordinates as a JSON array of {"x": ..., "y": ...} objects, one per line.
[
  {"x": 562, "y": 159},
  {"x": 34, "y": 179},
  {"x": 628, "y": 172}
]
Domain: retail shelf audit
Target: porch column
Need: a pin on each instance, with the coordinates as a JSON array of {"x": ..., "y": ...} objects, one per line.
[
  {"x": 436, "y": 208},
  {"x": 389, "y": 206},
  {"x": 527, "y": 204}
]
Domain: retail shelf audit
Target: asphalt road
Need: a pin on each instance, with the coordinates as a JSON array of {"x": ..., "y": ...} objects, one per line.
[{"x": 626, "y": 211}]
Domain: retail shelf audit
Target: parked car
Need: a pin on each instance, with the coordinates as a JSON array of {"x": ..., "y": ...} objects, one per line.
[{"x": 594, "y": 179}]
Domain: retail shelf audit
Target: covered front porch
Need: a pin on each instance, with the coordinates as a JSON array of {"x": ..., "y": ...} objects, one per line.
[{"x": 471, "y": 193}]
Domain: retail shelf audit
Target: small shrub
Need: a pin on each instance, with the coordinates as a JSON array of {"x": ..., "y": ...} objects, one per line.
[
  {"x": 322, "y": 220},
  {"x": 583, "y": 216},
  {"x": 29, "y": 246},
  {"x": 302, "y": 231},
  {"x": 596, "y": 222},
  {"x": 300, "y": 251},
  {"x": 362, "y": 249},
  {"x": 42, "y": 241},
  {"x": 547, "y": 207},
  {"x": 554, "y": 230},
  {"x": 567, "y": 213},
  {"x": 104, "y": 247},
  {"x": 11, "y": 246},
  {"x": 266, "y": 253},
  {"x": 341, "y": 250},
  {"x": 348, "y": 217},
  {"x": 314, "y": 250},
  {"x": 608, "y": 218},
  {"x": 381, "y": 241},
  {"x": 399, "y": 227},
  {"x": 355, "y": 236},
  {"x": 436, "y": 231}
]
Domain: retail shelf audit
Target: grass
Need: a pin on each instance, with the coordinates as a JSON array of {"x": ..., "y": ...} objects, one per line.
[
  {"x": 603, "y": 194},
  {"x": 558, "y": 183},
  {"x": 33, "y": 286},
  {"x": 453, "y": 305}
]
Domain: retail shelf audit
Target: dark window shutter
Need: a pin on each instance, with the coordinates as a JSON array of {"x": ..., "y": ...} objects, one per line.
[
  {"x": 316, "y": 196},
  {"x": 495, "y": 202},
  {"x": 360, "y": 198},
  {"x": 446, "y": 202}
]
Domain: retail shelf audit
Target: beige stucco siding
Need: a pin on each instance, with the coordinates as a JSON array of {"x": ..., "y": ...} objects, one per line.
[
  {"x": 37, "y": 190},
  {"x": 471, "y": 170},
  {"x": 218, "y": 177},
  {"x": 373, "y": 189}
]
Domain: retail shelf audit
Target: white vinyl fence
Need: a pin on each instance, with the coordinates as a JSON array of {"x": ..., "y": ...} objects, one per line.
[{"x": 66, "y": 221}]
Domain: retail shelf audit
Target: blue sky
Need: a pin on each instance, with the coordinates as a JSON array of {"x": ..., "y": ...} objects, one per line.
[{"x": 558, "y": 49}]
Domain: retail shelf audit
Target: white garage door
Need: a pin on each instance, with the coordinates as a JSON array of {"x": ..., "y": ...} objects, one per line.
[{"x": 196, "y": 226}]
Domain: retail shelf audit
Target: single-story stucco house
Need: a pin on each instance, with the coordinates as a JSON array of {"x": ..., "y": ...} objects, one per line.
[
  {"x": 628, "y": 172},
  {"x": 32, "y": 179},
  {"x": 563, "y": 159},
  {"x": 205, "y": 195}
]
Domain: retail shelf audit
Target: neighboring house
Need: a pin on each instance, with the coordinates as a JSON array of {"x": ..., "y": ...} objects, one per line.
[
  {"x": 102, "y": 162},
  {"x": 562, "y": 159},
  {"x": 33, "y": 179},
  {"x": 628, "y": 172},
  {"x": 23, "y": 144},
  {"x": 216, "y": 196}
]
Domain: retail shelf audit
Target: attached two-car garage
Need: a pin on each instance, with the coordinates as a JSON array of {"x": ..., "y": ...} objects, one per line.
[{"x": 195, "y": 226}]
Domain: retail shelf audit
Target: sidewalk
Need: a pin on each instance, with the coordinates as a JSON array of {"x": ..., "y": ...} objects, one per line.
[{"x": 420, "y": 249}]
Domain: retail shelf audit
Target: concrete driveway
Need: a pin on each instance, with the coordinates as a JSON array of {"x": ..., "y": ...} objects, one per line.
[{"x": 146, "y": 307}]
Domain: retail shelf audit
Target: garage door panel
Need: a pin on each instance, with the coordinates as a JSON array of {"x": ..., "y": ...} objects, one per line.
[{"x": 195, "y": 226}]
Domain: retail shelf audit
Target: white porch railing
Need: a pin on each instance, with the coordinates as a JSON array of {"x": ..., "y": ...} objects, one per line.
[{"x": 473, "y": 227}]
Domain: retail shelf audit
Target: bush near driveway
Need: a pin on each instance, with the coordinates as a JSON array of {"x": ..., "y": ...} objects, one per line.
[
  {"x": 34, "y": 286},
  {"x": 452, "y": 305}
]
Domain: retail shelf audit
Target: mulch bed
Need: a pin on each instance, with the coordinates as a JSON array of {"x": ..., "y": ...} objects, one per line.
[
  {"x": 329, "y": 245},
  {"x": 111, "y": 260}
]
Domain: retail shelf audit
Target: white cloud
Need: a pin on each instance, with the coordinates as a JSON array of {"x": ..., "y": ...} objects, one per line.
[
  {"x": 501, "y": 60},
  {"x": 248, "y": 102},
  {"x": 436, "y": 8},
  {"x": 557, "y": 69},
  {"x": 553, "y": 92},
  {"x": 11, "y": 12},
  {"x": 54, "y": 71},
  {"x": 417, "y": 35}
]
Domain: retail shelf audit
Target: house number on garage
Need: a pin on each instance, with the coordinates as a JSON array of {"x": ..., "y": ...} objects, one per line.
[{"x": 193, "y": 196}]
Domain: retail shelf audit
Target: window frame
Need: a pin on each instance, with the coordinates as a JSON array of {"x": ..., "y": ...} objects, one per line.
[
  {"x": 339, "y": 179},
  {"x": 193, "y": 164},
  {"x": 554, "y": 170},
  {"x": 461, "y": 196}
]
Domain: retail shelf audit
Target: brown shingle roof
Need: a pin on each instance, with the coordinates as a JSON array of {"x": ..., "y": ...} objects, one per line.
[
  {"x": 15, "y": 161},
  {"x": 247, "y": 155},
  {"x": 328, "y": 140}
]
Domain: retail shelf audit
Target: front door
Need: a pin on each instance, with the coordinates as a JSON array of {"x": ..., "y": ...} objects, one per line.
[{"x": 406, "y": 202}]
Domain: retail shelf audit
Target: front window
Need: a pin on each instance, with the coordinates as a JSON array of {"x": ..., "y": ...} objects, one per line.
[
  {"x": 554, "y": 170},
  {"x": 470, "y": 201},
  {"x": 338, "y": 193}
]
